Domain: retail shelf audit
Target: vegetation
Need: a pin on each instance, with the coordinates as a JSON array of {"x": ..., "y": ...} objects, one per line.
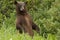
[{"x": 45, "y": 13}]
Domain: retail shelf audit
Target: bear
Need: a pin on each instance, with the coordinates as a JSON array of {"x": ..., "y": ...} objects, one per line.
[{"x": 24, "y": 22}]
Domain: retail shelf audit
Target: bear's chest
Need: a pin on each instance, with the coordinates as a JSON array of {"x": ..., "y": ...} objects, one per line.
[{"x": 23, "y": 20}]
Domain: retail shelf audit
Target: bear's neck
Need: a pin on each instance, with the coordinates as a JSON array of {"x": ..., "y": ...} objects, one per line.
[{"x": 21, "y": 12}]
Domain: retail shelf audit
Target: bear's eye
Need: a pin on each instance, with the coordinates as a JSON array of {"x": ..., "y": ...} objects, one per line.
[{"x": 19, "y": 6}]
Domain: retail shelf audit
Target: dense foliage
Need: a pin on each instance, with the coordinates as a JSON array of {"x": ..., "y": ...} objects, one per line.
[{"x": 45, "y": 13}]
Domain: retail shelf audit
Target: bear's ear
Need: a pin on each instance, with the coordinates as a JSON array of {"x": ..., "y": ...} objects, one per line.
[
  {"x": 26, "y": 2},
  {"x": 15, "y": 2}
]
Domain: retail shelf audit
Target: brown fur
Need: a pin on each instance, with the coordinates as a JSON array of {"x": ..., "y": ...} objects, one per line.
[{"x": 23, "y": 20}]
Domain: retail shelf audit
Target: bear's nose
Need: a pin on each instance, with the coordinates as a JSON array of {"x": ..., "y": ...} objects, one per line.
[{"x": 22, "y": 8}]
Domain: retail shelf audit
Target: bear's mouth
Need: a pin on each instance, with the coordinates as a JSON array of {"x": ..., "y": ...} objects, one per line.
[{"x": 22, "y": 11}]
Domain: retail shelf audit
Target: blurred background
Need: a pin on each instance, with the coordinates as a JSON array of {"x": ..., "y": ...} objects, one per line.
[{"x": 45, "y": 13}]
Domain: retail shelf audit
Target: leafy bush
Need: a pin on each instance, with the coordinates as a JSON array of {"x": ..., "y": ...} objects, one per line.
[{"x": 45, "y": 13}]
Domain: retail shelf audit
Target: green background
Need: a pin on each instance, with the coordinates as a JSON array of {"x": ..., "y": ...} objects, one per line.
[{"x": 45, "y": 13}]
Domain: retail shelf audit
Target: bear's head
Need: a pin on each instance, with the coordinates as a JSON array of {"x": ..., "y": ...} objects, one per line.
[{"x": 20, "y": 6}]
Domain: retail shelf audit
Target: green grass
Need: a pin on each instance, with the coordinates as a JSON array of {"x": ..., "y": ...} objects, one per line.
[
  {"x": 8, "y": 30},
  {"x": 10, "y": 34},
  {"x": 45, "y": 13}
]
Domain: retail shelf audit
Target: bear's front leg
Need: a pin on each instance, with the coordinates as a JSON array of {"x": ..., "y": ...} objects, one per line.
[{"x": 19, "y": 28}]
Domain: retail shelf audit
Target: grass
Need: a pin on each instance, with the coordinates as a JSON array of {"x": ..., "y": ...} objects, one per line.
[
  {"x": 9, "y": 34},
  {"x": 47, "y": 20}
]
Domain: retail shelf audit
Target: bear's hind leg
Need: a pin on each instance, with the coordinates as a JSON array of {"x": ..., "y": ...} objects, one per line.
[
  {"x": 36, "y": 28},
  {"x": 19, "y": 28},
  {"x": 28, "y": 30}
]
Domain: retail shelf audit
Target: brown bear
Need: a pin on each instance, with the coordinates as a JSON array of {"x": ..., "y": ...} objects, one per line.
[{"x": 23, "y": 19}]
